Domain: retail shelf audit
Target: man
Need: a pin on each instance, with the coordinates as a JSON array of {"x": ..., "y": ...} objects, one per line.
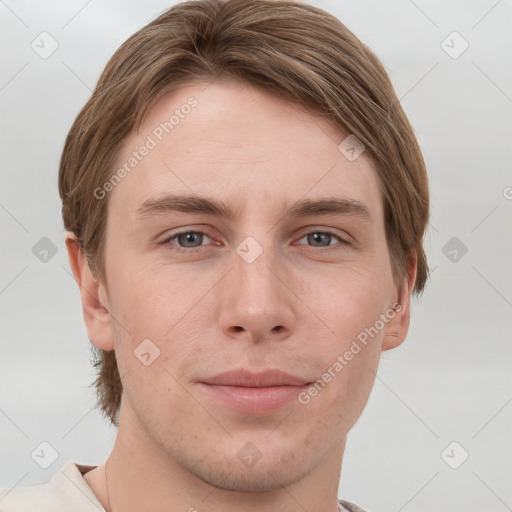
[{"x": 245, "y": 203}]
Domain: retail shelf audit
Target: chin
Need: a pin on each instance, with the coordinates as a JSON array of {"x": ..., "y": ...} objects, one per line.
[
  {"x": 246, "y": 463},
  {"x": 231, "y": 475}
]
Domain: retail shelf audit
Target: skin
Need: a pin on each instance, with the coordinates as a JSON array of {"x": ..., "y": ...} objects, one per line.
[{"x": 210, "y": 311}]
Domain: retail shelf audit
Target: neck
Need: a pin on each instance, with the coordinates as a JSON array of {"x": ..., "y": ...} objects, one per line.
[{"x": 140, "y": 473}]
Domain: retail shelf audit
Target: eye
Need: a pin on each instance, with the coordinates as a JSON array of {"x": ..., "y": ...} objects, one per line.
[
  {"x": 190, "y": 241},
  {"x": 323, "y": 239},
  {"x": 186, "y": 240}
]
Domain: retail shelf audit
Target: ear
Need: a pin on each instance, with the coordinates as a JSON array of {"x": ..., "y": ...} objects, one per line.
[
  {"x": 94, "y": 297},
  {"x": 398, "y": 326}
]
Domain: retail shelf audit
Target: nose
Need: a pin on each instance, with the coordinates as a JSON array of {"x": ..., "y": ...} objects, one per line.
[{"x": 256, "y": 303}]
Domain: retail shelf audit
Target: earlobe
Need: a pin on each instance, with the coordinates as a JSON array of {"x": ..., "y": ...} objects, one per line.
[
  {"x": 93, "y": 295},
  {"x": 398, "y": 326}
]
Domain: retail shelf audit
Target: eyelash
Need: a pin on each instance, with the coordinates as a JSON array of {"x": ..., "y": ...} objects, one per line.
[{"x": 191, "y": 250}]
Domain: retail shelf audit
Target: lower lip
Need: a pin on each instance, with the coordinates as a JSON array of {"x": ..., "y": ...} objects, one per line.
[{"x": 253, "y": 400}]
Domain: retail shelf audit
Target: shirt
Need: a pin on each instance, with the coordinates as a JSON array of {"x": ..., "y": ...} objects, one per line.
[{"x": 68, "y": 491}]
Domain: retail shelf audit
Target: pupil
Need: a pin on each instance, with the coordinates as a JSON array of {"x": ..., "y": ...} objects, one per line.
[
  {"x": 319, "y": 236},
  {"x": 190, "y": 238}
]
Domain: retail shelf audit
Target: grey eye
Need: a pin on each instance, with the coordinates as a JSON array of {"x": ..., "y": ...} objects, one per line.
[{"x": 190, "y": 239}]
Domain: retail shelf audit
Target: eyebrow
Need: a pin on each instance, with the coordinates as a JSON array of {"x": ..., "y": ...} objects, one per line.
[{"x": 170, "y": 203}]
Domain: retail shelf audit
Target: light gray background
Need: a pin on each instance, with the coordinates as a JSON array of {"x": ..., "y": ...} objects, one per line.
[{"x": 450, "y": 381}]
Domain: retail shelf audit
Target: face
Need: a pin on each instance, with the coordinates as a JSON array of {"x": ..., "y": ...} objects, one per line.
[{"x": 250, "y": 290}]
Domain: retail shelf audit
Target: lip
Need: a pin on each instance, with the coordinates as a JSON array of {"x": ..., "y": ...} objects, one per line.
[
  {"x": 248, "y": 379},
  {"x": 254, "y": 393}
]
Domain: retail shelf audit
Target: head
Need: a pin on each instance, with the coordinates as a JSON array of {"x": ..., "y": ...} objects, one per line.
[{"x": 299, "y": 241}]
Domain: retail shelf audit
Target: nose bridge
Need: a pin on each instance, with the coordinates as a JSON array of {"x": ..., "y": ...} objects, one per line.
[
  {"x": 256, "y": 301},
  {"x": 252, "y": 271}
]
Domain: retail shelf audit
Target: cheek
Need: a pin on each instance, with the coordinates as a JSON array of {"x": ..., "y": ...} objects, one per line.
[
  {"x": 347, "y": 302},
  {"x": 158, "y": 326},
  {"x": 152, "y": 299},
  {"x": 346, "y": 357},
  {"x": 346, "y": 372}
]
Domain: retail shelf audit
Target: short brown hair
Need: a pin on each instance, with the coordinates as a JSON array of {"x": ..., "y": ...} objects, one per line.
[{"x": 292, "y": 50}]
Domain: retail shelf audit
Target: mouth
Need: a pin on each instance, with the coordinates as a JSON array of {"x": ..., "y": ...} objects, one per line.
[{"x": 254, "y": 393}]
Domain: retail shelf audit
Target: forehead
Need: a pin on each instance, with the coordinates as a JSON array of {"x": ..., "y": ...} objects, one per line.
[{"x": 243, "y": 146}]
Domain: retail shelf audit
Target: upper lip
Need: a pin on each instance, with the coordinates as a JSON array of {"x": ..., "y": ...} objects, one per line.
[{"x": 245, "y": 378}]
